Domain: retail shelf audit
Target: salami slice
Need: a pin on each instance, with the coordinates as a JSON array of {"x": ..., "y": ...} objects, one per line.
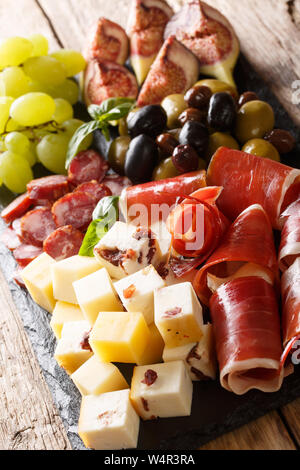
[
  {"x": 17, "y": 277},
  {"x": 74, "y": 209},
  {"x": 10, "y": 239},
  {"x": 36, "y": 225},
  {"x": 116, "y": 183},
  {"x": 97, "y": 190},
  {"x": 86, "y": 166},
  {"x": 17, "y": 208},
  {"x": 48, "y": 188},
  {"x": 63, "y": 242},
  {"x": 24, "y": 254}
]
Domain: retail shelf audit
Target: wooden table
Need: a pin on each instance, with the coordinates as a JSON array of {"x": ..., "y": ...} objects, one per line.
[{"x": 269, "y": 31}]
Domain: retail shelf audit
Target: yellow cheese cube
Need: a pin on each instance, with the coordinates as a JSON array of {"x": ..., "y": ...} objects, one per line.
[
  {"x": 178, "y": 314},
  {"x": 63, "y": 313},
  {"x": 95, "y": 377},
  {"x": 65, "y": 272},
  {"x": 73, "y": 348},
  {"x": 95, "y": 293},
  {"x": 108, "y": 421},
  {"x": 154, "y": 351},
  {"x": 120, "y": 337},
  {"x": 37, "y": 279}
]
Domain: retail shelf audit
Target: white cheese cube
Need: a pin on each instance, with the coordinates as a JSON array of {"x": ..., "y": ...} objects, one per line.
[
  {"x": 178, "y": 314},
  {"x": 199, "y": 358},
  {"x": 96, "y": 293},
  {"x": 63, "y": 313},
  {"x": 95, "y": 377},
  {"x": 162, "y": 390},
  {"x": 37, "y": 279},
  {"x": 126, "y": 249},
  {"x": 164, "y": 239},
  {"x": 73, "y": 348},
  {"x": 137, "y": 291},
  {"x": 65, "y": 272},
  {"x": 108, "y": 421}
]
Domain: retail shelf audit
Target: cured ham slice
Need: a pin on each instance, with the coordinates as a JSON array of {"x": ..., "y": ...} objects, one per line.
[
  {"x": 289, "y": 248},
  {"x": 248, "y": 240},
  {"x": 246, "y": 325},
  {"x": 248, "y": 179}
]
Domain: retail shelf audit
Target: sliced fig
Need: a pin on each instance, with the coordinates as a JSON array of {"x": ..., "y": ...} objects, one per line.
[
  {"x": 209, "y": 35},
  {"x": 174, "y": 70},
  {"x": 107, "y": 41},
  {"x": 146, "y": 25},
  {"x": 105, "y": 79}
]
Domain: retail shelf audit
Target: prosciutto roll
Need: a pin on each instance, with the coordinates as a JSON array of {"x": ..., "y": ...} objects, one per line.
[
  {"x": 247, "y": 249},
  {"x": 248, "y": 179},
  {"x": 289, "y": 248},
  {"x": 247, "y": 332}
]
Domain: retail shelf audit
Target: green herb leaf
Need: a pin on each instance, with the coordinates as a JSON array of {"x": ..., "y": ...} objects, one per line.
[
  {"x": 81, "y": 133},
  {"x": 105, "y": 215}
]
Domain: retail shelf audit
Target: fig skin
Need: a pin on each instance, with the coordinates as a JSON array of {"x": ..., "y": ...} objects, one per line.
[
  {"x": 174, "y": 71},
  {"x": 107, "y": 41},
  {"x": 209, "y": 35}
]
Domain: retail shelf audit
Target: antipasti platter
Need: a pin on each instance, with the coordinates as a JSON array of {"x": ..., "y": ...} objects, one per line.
[{"x": 150, "y": 202}]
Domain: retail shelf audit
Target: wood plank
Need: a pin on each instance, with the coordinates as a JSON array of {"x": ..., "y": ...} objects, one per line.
[{"x": 291, "y": 413}]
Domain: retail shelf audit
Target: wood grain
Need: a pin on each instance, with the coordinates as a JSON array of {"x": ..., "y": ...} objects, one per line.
[{"x": 291, "y": 413}]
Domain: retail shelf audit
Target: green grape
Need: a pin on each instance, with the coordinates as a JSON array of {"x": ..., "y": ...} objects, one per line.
[
  {"x": 63, "y": 111},
  {"x": 72, "y": 60},
  {"x": 40, "y": 45},
  {"x": 13, "y": 82},
  {"x": 71, "y": 126},
  {"x": 45, "y": 70},
  {"x": 14, "y": 51},
  {"x": 17, "y": 143},
  {"x": 33, "y": 109},
  {"x": 5, "y": 105},
  {"x": 15, "y": 171},
  {"x": 52, "y": 151},
  {"x": 68, "y": 90},
  {"x": 34, "y": 86},
  {"x": 31, "y": 155},
  {"x": 12, "y": 126}
]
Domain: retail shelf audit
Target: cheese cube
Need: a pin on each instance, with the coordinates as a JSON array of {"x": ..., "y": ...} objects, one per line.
[
  {"x": 120, "y": 337},
  {"x": 137, "y": 291},
  {"x": 73, "y": 348},
  {"x": 164, "y": 239},
  {"x": 37, "y": 279},
  {"x": 162, "y": 390},
  {"x": 95, "y": 293},
  {"x": 154, "y": 351},
  {"x": 199, "y": 358},
  {"x": 108, "y": 421},
  {"x": 69, "y": 270},
  {"x": 178, "y": 314},
  {"x": 126, "y": 249},
  {"x": 95, "y": 377},
  {"x": 63, "y": 313}
]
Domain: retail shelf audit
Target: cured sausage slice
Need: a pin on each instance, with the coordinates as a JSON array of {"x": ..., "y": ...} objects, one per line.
[
  {"x": 17, "y": 208},
  {"x": 74, "y": 209},
  {"x": 87, "y": 166},
  {"x": 48, "y": 188},
  {"x": 63, "y": 242},
  {"x": 24, "y": 254},
  {"x": 10, "y": 239},
  {"x": 97, "y": 190},
  {"x": 116, "y": 183},
  {"x": 36, "y": 225}
]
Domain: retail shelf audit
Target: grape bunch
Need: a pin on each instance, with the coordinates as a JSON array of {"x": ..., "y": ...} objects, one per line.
[{"x": 37, "y": 94}]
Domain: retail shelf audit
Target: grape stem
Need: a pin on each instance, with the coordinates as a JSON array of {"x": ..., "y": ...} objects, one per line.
[{"x": 56, "y": 129}]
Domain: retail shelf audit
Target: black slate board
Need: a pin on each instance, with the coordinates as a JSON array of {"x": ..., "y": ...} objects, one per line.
[{"x": 215, "y": 411}]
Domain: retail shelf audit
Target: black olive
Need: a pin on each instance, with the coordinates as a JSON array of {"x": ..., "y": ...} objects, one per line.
[
  {"x": 196, "y": 135},
  {"x": 221, "y": 112},
  {"x": 185, "y": 158},
  {"x": 150, "y": 120},
  {"x": 141, "y": 159}
]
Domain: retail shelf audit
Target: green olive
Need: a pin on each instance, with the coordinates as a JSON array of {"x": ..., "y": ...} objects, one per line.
[
  {"x": 165, "y": 169},
  {"x": 261, "y": 148},
  {"x": 123, "y": 128},
  {"x": 174, "y": 105},
  {"x": 254, "y": 120},
  {"x": 220, "y": 139},
  {"x": 117, "y": 153},
  {"x": 202, "y": 164},
  {"x": 217, "y": 86}
]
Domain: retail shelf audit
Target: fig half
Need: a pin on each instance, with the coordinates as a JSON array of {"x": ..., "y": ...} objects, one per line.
[
  {"x": 146, "y": 25},
  {"x": 174, "y": 70},
  {"x": 209, "y": 35},
  {"x": 107, "y": 41}
]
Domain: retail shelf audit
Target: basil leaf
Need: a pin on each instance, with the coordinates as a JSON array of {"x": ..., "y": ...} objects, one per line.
[
  {"x": 81, "y": 133},
  {"x": 97, "y": 111},
  {"x": 105, "y": 215},
  {"x": 116, "y": 113}
]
